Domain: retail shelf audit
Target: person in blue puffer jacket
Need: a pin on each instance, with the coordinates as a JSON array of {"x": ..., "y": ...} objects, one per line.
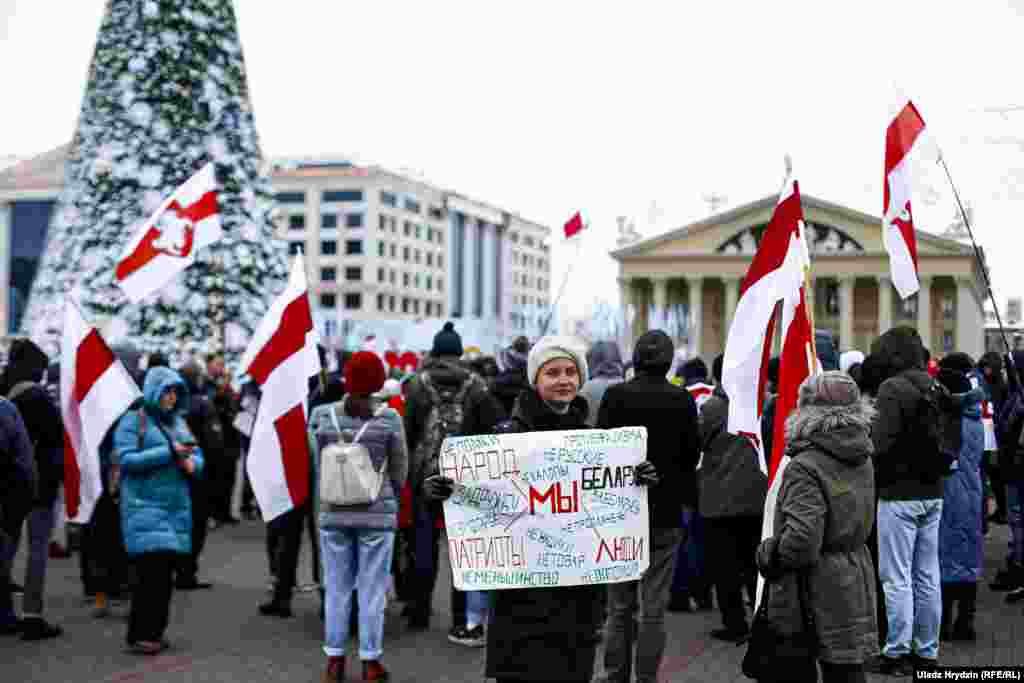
[
  {"x": 157, "y": 454},
  {"x": 960, "y": 535}
]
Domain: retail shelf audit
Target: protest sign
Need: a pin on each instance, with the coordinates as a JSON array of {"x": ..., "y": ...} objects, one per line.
[{"x": 546, "y": 509}]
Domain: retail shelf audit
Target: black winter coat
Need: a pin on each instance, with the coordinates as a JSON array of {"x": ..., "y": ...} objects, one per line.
[
  {"x": 673, "y": 440},
  {"x": 46, "y": 431},
  {"x": 730, "y": 477},
  {"x": 544, "y": 634}
]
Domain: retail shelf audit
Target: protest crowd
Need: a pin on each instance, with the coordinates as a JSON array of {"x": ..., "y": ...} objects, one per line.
[{"x": 895, "y": 457}]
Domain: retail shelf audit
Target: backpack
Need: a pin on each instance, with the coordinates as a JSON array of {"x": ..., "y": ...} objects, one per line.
[
  {"x": 937, "y": 434},
  {"x": 347, "y": 474},
  {"x": 447, "y": 412}
]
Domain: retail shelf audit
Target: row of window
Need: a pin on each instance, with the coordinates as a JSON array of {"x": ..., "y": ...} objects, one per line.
[
  {"x": 328, "y": 221},
  {"x": 527, "y": 280},
  {"x": 409, "y": 254},
  {"x": 409, "y": 204},
  {"x": 528, "y": 301},
  {"x": 415, "y": 279},
  {"x": 330, "y": 274},
  {"x": 410, "y": 229},
  {"x": 325, "y": 196},
  {"x": 528, "y": 260},
  {"x": 387, "y": 302},
  {"x": 330, "y": 247},
  {"x": 353, "y": 300}
]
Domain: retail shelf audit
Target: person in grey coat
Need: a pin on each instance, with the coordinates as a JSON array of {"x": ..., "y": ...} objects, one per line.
[
  {"x": 18, "y": 483},
  {"x": 823, "y": 516},
  {"x": 606, "y": 369}
]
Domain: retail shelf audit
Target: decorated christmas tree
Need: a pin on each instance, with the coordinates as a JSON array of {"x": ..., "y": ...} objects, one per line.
[{"x": 166, "y": 93}]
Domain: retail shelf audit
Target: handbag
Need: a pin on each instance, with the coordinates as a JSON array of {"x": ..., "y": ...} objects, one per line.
[
  {"x": 347, "y": 474},
  {"x": 771, "y": 653}
]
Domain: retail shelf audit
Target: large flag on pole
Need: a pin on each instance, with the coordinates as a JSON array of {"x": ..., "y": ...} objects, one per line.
[
  {"x": 166, "y": 244},
  {"x": 281, "y": 358},
  {"x": 574, "y": 225},
  {"x": 95, "y": 391},
  {"x": 777, "y": 275},
  {"x": 902, "y": 136}
]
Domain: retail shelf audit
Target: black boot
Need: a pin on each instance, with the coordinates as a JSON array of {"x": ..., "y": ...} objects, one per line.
[
  {"x": 963, "y": 629},
  {"x": 279, "y": 606},
  {"x": 948, "y": 593}
]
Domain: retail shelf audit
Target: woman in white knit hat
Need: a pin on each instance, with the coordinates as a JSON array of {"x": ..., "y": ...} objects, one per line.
[{"x": 548, "y": 627}]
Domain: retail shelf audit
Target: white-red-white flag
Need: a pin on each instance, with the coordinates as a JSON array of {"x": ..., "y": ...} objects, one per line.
[
  {"x": 95, "y": 391},
  {"x": 166, "y": 244},
  {"x": 574, "y": 225},
  {"x": 281, "y": 358},
  {"x": 775, "y": 277},
  {"x": 902, "y": 136}
]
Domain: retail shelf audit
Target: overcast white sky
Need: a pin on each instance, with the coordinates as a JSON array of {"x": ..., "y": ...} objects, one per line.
[{"x": 542, "y": 107}]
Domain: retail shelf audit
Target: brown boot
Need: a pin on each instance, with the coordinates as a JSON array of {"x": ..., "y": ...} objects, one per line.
[
  {"x": 335, "y": 672},
  {"x": 373, "y": 670}
]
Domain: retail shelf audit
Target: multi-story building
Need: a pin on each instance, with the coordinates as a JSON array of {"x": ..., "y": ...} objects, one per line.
[{"x": 379, "y": 245}]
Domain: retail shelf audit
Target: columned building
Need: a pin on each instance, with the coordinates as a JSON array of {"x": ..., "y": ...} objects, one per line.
[{"x": 691, "y": 276}]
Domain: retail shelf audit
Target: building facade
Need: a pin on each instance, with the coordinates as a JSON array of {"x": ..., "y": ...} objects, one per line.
[
  {"x": 378, "y": 245},
  {"x": 691, "y": 276}
]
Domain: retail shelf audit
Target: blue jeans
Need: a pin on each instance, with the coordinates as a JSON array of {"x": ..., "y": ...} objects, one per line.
[
  {"x": 478, "y": 607},
  {"x": 360, "y": 560},
  {"x": 908, "y": 565},
  {"x": 1015, "y": 519}
]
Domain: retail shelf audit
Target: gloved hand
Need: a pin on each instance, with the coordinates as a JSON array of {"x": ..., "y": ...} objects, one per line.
[
  {"x": 646, "y": 474},
  {"x": 438, "y": 488}
]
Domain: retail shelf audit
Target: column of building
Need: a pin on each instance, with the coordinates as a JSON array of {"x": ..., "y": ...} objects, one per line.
[
  {"x": 924, "y": 311},
  {"x": 5, "y": 265},
  {"x": 489, "y": 285},
  {"x": 846, "y": 312},
  {"x": 694, "y": 285}
]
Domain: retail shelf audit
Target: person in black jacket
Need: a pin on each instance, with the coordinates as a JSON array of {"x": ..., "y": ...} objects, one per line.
[
  {"x": 511, "y": 380},
  {"x": 21, "y": 383},
  {"x": 545, "y": 632},
  {"x": 18, "y": 483},
  {"x": 669, "y": 414}
]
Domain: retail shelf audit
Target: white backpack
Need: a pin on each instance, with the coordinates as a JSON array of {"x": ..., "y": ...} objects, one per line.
[{"x": 347, "y": 475}]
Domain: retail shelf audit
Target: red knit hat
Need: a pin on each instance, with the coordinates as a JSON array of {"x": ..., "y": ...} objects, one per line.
[{"x": 364, "y": 374}]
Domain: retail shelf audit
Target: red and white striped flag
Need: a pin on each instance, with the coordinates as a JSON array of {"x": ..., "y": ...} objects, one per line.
[
  {"x": 167, "y": 243},
  {"x": 281, "y": 358},
  {"x": 776, "y": 275},
  {"x": 574, "y": 225},
  {"x": 902, "y": 136},
  {"x": 95, "y": 391}
]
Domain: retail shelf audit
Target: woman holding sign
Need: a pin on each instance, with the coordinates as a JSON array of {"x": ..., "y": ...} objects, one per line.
[{"x": 544, "y": 633}]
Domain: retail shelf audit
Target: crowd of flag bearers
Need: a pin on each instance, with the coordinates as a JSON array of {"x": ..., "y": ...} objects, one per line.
[{"x": 854, "y": 530}]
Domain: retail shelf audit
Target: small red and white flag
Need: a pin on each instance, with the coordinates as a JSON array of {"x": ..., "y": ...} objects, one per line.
[
  {"x": 574, "y": 225},
  {"x": 95, "y": 391},
  {"x": 166, "y": 244},
  {"x": 281, "y": 358},
  {"x": 903, "y": 137},
  {"x": 776, "y": 276}
]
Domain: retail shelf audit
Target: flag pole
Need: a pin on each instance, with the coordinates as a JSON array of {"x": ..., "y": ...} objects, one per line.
[
  {"x": 561, "y": 290},
  {"x": 980, "y": 260}
]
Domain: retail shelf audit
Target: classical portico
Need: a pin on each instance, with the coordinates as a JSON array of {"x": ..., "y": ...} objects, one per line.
[{"x": 688, "y": 281}]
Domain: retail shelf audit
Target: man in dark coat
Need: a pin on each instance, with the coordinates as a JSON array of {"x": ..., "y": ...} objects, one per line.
[
  {"x": 441, "y": 383},
  {"x": 22, "y": 384},
  {"x": 18, "y": 484},
  {"x": 909, "y": 507},
  {"x": 669, "y": 414},
  {"x": 222, "y": 466},
  {"x": 511, "y": 380},
  {"x": 732, "y": 494}
]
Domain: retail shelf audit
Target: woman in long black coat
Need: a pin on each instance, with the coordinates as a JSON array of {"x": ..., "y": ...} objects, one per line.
[{"x": 544, "y": 634}]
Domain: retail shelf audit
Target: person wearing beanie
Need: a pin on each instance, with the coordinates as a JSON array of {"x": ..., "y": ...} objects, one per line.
[
  {"x": 822, "y": 518},
  {"x": 605, "y": 363},
  {"x": 909, "y": 506},
  {"x": 444, "y": 398},
  {"x": 358, "y": 540},
  {"x": 546, "y": 632},
  {"x": 669, "y": 414},
  {"x": 960, "y": 528},
  {"x": 511, "y": 380},
  {"x": 21, "y": 382},
  {"x": 447, "y": 343},
  {"x": 732, "y": 491}
]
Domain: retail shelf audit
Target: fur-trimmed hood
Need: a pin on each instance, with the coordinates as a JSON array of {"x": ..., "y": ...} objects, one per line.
[{"x": 841, "y": 431}]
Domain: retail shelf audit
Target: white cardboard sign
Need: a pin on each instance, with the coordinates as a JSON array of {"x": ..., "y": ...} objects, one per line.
[{"x": 546, "y": 509}]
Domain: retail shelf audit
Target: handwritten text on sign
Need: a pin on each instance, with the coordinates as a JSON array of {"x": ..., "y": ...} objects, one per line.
[{"x": 546, "y": 508}]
